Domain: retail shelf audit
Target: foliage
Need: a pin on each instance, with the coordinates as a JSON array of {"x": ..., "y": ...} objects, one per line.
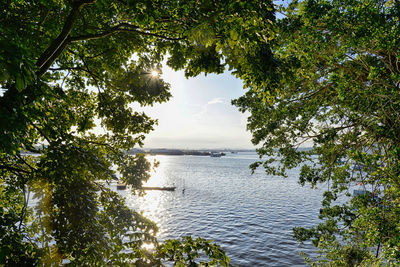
[
  {"x": 187, "y": 251},
  {"x": 334, "y": 83},
  {"x": 67, "y": 66}
]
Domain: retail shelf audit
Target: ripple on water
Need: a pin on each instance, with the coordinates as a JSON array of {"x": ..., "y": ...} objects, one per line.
[{"x": 250, "y": 216}]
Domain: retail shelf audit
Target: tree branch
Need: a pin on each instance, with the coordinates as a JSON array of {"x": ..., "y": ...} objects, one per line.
[
  {"x": 59, "y": 44},
  {"x": 26, "y": 201},
  {"x": 90, "y": 72},
  {"x": 41, "y": 132},
  {"x": 26, "y": 163},
  {"x": 5, "y": 167},
  {"x": 123, "y": 27},
  {"x": 67, "y": 68}
]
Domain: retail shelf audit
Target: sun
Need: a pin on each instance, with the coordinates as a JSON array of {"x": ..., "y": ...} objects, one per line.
[{"x": 154, "y": 73}]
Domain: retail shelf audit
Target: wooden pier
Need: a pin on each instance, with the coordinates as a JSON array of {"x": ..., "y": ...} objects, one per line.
[
  {"x": 122, "y": 186},
  {"x": 171, "y": 188}
]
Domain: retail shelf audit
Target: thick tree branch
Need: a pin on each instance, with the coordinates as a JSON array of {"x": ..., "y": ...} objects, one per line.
[
  {"x": 59, "y": 44},
  {"x": 123, "y": 27},
  {"x": 67, "y": 68},
  {"x": 13, "y": 169}
]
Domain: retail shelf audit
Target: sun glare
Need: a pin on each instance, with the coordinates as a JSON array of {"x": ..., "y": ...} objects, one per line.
[{"x": 154, "y": 73}]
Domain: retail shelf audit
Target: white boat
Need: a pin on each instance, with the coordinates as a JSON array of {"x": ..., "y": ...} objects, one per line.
[{"x": 121, "y": 185}]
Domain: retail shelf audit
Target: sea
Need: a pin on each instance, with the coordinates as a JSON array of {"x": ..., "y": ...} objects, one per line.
[{"x": 251, "y": 216}]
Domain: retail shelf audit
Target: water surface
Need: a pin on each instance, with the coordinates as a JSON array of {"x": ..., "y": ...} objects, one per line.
[{"x": 250, "y": 216}]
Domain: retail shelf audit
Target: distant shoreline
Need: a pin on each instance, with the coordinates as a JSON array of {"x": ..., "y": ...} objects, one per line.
[
  {"x": 182, "y": 152},
  {"x": 191, "y": 152}
]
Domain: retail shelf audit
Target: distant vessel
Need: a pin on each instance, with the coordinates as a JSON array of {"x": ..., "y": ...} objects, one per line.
[
  {"x": 217, "y": 154},
  {"x": 121, "y": 186}
]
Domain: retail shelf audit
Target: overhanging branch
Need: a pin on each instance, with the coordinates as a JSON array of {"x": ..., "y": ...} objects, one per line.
[
  {"x": 59, "y": 44},
  {"x": 63, "y": 39},
  {"x": 123, "y": 27},
  {"x": 13, "y": 169}
]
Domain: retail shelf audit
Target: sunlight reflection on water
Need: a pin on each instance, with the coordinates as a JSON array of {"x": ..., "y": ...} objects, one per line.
[{"x": 158, "y": 175}]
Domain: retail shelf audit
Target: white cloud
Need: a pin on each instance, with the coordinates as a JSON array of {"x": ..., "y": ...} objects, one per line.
[
  {"x": 204, "y": 109},
  {"x": 215, "y": 101}
]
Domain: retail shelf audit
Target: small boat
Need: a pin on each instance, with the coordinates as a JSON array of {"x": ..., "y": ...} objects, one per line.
[
  {"x": 121, "y": 186},
  {"x": 170, "y": 188}
]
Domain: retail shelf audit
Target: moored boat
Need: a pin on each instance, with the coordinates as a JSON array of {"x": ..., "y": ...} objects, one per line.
[{"x": 121, "y": 186}]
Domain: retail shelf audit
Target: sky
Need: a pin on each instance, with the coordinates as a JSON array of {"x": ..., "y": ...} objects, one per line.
[{"x": 199, "y": 115}]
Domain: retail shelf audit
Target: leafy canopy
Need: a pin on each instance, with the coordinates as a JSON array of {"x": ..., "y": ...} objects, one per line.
[
  {"x": 333, "y": 82},
  {"x": 68, "y": 65}
]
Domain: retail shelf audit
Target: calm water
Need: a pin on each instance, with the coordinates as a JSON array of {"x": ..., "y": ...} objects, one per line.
[{"x": 250, "y": 216}]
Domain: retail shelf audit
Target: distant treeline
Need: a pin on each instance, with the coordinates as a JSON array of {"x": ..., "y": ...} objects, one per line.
[{"x": 179, "y": 152}]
